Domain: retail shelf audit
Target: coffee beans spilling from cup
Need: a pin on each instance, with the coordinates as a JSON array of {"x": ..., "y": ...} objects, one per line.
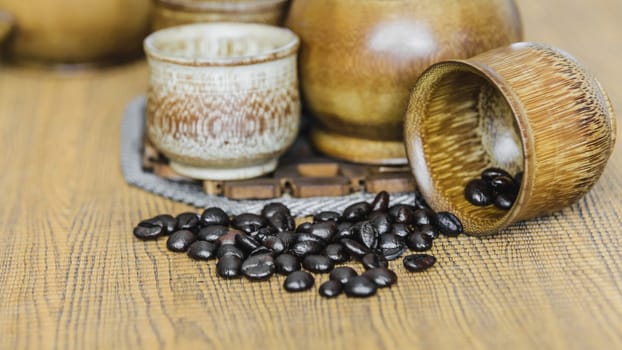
[
  {"x": 259, "y": 245},
  {"x": 495, "y": 186}
]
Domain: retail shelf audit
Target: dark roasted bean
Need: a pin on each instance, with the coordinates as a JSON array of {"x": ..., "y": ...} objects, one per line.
[
  {"x": 356, "y": 212},
  {"x": 502, "y": 184},
  {"x": 344, "y": 230},
  {"x": 214, "y": 216},
  {"x": 342, "y": 274},
  {"x": 202, "y": 250},
  {"x": 423, "y": 217},
  {"x": 419, "y": 262},
  {"x": 229, "y": 266},
  {"x": 381, "y": 222},
  {"x": 381, "y": 202},
  {"x": 187, "y": 221},
  {"x": 166, "y": 221},
  {"x": 275, "y": 244},
  {"x": 301, "y": 249},
  {"x": 419, "y": 242},
  {"x": 478, "y": 193},
  {"x": 180, "y": 241},
  {"x": 505, "y": 201},
  {"x": 360, "y": 287},
  {"x": 229, "y": 249},
  {"x": 324, "y": 230},
  {"x": 258, "y": 267},
  {"x": 372, "y": 261},
  {"x": 354, "y": 248},
  {"x": 401, "y": 230},
  {"x": 427, "y": 230},
  {"x": 368, "y": 235},
  {"x": 272, "y": 208},
  {"x": 336, "y": 252},
  {"x": 391, "y": 246},
  {"x": 298, "y": 281},
  {"x": 286, "y": 264},
  {"x": 382, "y": 277},
  {"x": 282, "y": 222},
  {"x": 304, "y": 227},
  {"x": 146, "y": 231},
  {"x": 212, "y": 233},
  {"x": 307, "y": 237},
  {"x": 330, "y": 289},
  {"x": 326, "y": 216},
  {"x": 317, "y": 263},
  {"x": 288, "y": 238},
  {"x": 491, "y": 173},
  {"x": 246, "y": 242},
  {"x": 261, "y": 250},
  {"x": 229, "y": 237},
  {"x": 249, "y": 222},
  {"x": 448, "y": 224},
  {"x": 263, "y": 233},
  {"x": 403, "y": 214}
]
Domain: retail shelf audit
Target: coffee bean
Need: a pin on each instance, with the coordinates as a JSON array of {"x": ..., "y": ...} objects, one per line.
[
  {"x": 501, "y": 184},
  {"x": 336, "y": 252},
  {"x": 478, "y": 193},
  {"x": 249, "y": 222},
  {"x": 301, "y": 249},
  {"x": 166, "y": 221},
  {"x": 342, "y": 274},
  {"x": 372, "y": 261},
  {"x": 258, "y": 267},
  {"x": 360, "y": 287},
  {"x": 272, "y": 208},
  {"x": 214, "y": 216},
  {"x": 147, "y": 231},
  {"x": 229, "y": 237},
  {"x": 275, "y": 244},
  {"x": 381, "y": 202},
  {"x": 427, "y": 230},
  {"x": 288, "y": 238},
  {"x": 356, "y": 212},
  {"x": 202, "y": 250},
  {"x": 344, "y": 230},
  {"x": 381, "y": 222},
  {"x": 368, "y": 235},
  {"x": 317, "y": 263},
  {"x": 391, "y": 246},
  {"x": 246, "y": 243},
  {"x": 354, "y": 248},
  {"x": 212, "y": 233},
  {"x": 263, "y": 233},
  {"x": 229, "y": 266},
  {"x": 505, "y": 201},
  {"x": 307, "y": 237},
  {"x": 401, "y": 230},
  {"x": 229, "y": 249},
  {"x": 382, "y": 277},
  {"x": 286, "y": 264},
  {"x": 180, "y": 241},
  {"x": 324, "y": 230},
  {"x": 448, "y": 224},
  {"x": 326, "y": 216},
  {"x": 330, "y": 289},
  {"x": 187, "y": 221},
  {"x": 298, "y": 281},
  {"x": 282, "y": 222},
  {"x": 491, "y": 173},
  {"x": 403, "y": 214},
  {"x": 419, "y": 262},
  {"x": 304, "y": 227},
  {"x": 423, "y": 217},
  {"x": 419, "y": 242},
  {"x": 261, "y": 250}
]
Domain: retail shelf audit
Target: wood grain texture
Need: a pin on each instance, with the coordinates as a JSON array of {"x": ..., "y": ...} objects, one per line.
[{"x": 73, "y": 277}]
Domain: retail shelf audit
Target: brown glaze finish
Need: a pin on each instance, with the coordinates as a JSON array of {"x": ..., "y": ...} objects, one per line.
[
  {"x": 360, "y": 59},
  {"x": 526, "y": 107},
  {"x": 68, "y": 31}
]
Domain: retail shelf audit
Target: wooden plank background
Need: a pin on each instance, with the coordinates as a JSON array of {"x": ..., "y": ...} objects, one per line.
[{"x": 73, "y": 277}]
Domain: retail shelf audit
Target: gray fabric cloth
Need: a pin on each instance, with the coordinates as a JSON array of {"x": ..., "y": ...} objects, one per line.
[{"x": 191, "y": 193}]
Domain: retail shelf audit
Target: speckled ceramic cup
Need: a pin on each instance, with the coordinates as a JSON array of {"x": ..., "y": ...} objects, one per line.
[{"x": 223, "y": 102}]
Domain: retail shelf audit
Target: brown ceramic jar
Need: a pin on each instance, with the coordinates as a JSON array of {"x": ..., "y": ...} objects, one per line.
[{"x": 360, "y": 59}]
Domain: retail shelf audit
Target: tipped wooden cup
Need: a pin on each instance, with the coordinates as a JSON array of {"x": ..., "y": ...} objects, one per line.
[{"x": 525, "y": 108}]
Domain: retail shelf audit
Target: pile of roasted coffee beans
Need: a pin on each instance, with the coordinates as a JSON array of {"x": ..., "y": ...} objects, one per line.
[
  {"x": 259, "y": 245},
  {"x": 495, "y": 186}
]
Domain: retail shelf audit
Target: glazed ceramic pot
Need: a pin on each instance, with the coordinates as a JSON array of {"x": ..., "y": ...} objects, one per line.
[
  {"x": 360, "y": 59},
  {"x": 169, "y": 13},
  {"x": 223, "y": 102},
  {"x": 524, "y": 108},
  {"x": 66, "y": 31}
]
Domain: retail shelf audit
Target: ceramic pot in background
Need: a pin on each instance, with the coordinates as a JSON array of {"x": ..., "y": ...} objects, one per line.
[
  {"x": 525, "y": 108},
  {"x": 169, "y": 13},
  {"x": 66, "y": 31},
  {"x": 360, "y": 59}
]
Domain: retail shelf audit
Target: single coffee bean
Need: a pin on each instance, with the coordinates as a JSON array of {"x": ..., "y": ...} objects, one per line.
[
  {"x": 301, "y": 249},
  {"x": 505, "y": 201},
  {"x": 368, "y": 235},
  {"x": 336, "y": 252},
  {"x": 304, "y": 227},
  {"x": 491, "y": 173},
  {"x": 307, "y": 237},
  {"x": 354, "y": 248},
  {"x": 419, "y": 262},
  {"x": 401, "y": 230},
  {"x": 382, "y": 277},
  {"x": 372, "y": 261},
  {"x": 249, "y": 222},
  {"x": 419, "y": 242},
  {"x": 246, "y": 242},
  {"x": 180, "y": 241},
  {"x": 214, "y": 216},
  {"x": 272, "y": 208},
  {"x": 360, "y": 287},
  {"x": 202, "y": 250},
  {"x": 212, "y": 233},
  {"x": 282, "y": 222},
  {"x": 501, "y": 184},
  {"x": 298, "y": 281},
  {"x": 381, "y": 202},
  {"x": 448, "y": 224},
  {"x": 229, "y": 266},
  {"x": 261, "y": 250},
  {"x": 381, "y": 222},
  {"x": 427, "y": 230},
  {"x": 423, "y": 217},
  {"x": 275, "y": 244},
  {"x": 187, "y": 221},
  {"x": 229, "y": 249},
  {"x": 479, "y": 193},
  {"x": 263, "y": 233},
  {"x": 258, "y": 267},
  {"x": 324, "y": 230},
  {"x": 146, "y": 231},
  {"x": 330, "y": 289},
  {"x": 326, "y": 216},
  {"x": 317, "y": 263},
  {"x": 344, "y": 230},
  {"x": 403, "y": 215},
  {"x": 342, "y": 274},
  {"x": 356, "y": 212},
  {"x": 391, "y": 246},
  {"x": 229, "y": 237},
  {"x": 166, "y": 221},
  {"x": 286, "y": 264},
  {"x": 288, "y": 238}
]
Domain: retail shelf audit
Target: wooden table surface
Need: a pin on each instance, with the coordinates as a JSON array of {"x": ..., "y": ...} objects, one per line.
[{"x": 72, "y": 276}]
